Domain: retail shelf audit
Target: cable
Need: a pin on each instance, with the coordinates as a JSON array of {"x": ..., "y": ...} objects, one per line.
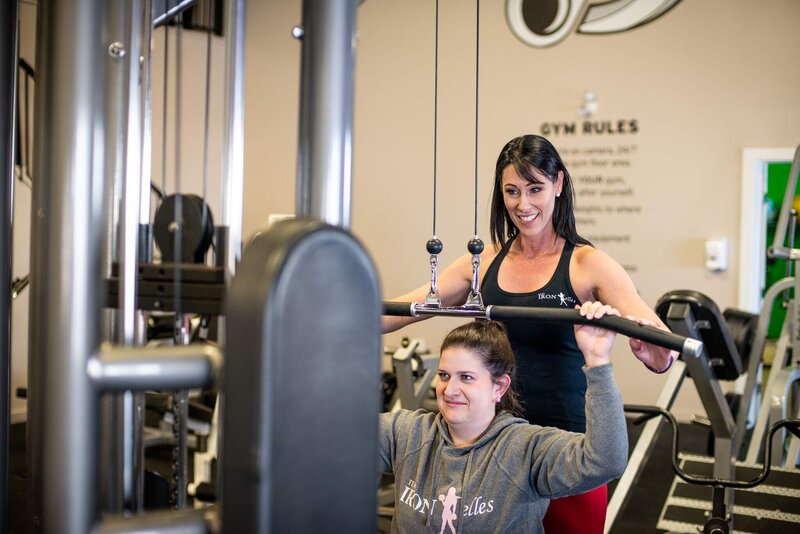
[
  {"x": 165, "y": 114},
  {"x": 475, "y": 245},
  {"x": 434, "y": 245},
  {"x": 435, "y": 114},
  {"x": 205, "y": 127},
  {"x": 180, "y": 398},
  {"x": 477, "y": 84},
  {"x": 178, "y": 236}
]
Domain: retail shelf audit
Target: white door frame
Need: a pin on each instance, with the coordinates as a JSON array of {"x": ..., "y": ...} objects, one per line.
[{"x": 752, "y": 261}]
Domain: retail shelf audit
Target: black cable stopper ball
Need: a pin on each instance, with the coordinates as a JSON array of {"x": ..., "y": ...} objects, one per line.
[
  {"x": 434, "y": 246},
  {"x": 475, "y": 246}
]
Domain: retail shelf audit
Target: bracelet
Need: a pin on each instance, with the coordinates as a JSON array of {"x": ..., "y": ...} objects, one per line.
[{"x": 665, "y": 369}]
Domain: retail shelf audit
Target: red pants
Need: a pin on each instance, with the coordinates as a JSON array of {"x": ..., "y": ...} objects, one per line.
[{"x": 579, "y": 514}]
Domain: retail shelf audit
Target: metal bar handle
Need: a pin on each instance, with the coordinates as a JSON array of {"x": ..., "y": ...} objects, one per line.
[{"x": 686, "y": 345}]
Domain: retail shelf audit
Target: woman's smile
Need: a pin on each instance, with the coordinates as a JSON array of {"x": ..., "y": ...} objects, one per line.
[
  {"x": 530, "y": 204},
  {"x": 528, "y": 218}
]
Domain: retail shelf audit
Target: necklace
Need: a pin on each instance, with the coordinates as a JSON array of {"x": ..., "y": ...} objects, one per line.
[{"x": 540, "y": 254}]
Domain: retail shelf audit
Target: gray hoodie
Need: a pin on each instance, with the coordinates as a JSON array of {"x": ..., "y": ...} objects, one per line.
[{"x": 505, "y": 480}]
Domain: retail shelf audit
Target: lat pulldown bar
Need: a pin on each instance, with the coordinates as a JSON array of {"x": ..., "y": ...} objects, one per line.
[{"x": 685, "y": 345}]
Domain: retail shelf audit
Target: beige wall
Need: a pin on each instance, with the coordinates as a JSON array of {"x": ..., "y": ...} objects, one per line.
[
  {"x": 22, "y": 239},
  {"x": 703, "y": 82}
]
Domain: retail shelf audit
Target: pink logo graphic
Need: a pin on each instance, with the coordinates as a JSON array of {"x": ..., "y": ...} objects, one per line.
[{"x": 449, "y": 503}]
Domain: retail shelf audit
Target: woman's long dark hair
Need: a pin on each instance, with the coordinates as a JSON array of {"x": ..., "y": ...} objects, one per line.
[
  {"x": 489, "y": 341},
  {"x": 526, "y": 153}
]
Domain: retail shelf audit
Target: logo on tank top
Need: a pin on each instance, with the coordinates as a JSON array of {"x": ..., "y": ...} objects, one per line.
[{"x": 564, "y": 300}]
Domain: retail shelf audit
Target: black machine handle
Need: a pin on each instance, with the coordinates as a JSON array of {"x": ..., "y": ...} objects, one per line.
[
  {"x": 686, "y": 345},
  {"x": 766, "y": 442}
]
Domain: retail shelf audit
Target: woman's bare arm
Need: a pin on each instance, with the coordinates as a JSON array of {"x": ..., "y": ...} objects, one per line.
[{"x": 609, "y": 283}]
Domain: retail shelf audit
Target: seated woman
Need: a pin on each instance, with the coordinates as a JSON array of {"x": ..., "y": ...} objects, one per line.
[{"x": 476, "y": 466}]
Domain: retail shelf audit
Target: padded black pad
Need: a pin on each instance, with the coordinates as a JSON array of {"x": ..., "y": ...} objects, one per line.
[
  {"x": 743, "y": 327},
  {"x": 301, "y": 386},
  {"x": 719, "y": 346}
]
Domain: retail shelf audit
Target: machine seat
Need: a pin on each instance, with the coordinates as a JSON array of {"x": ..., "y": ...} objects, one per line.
[{"x": 712, "y": 328}]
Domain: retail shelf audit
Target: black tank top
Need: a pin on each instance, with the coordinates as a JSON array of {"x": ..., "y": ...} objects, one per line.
[{"x": 549, "y": 381}]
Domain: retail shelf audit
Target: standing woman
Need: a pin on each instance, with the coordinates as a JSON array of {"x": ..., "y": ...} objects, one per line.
[{"x": 539, "y": 260}]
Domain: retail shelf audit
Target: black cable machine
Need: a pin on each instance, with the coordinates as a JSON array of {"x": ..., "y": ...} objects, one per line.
[{"x": 91, "y": 163}]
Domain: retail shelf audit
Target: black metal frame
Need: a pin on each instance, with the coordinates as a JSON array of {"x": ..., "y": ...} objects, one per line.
[{"x": 719, "y": 522}]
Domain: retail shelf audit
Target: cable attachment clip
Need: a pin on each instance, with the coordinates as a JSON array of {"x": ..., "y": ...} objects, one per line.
[
  {"x": 475, "y": 247},
  {"x": 434, "y": 247}
]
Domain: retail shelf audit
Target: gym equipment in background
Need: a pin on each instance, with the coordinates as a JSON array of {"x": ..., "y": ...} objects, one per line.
[
  {"x": 93, "y": 181},
  {"x": 413, "y": 371},
  {"x": 735, "y": 342},
  {"x": 772, "y": 511},
  {"x": 781, "y": 390},
  {"x": 93, "y": 151},
  {"x": 692, "y": 314}
]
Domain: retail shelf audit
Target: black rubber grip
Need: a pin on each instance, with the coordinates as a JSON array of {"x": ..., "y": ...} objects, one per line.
[
  {"x": 397, "y": 309},
  {"x": 648, "y": 334},
  {"x": 206, "y": 492}
]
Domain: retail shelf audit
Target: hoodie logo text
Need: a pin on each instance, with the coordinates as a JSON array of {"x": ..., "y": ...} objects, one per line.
[{"x": 449, "y": 506}]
